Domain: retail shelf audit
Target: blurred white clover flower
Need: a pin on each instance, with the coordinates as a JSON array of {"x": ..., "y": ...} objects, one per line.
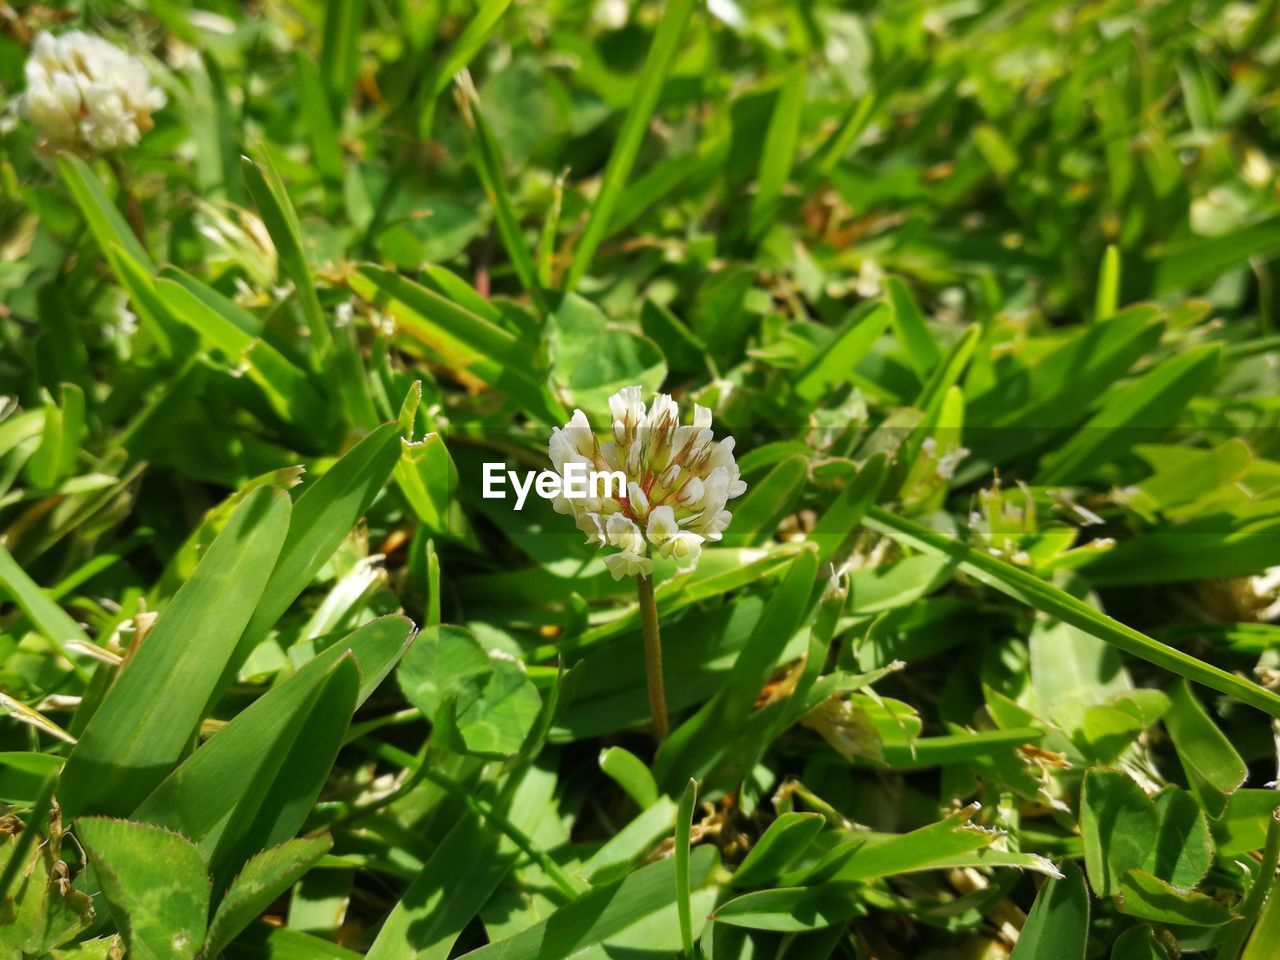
[
  {"x": 87, "y": 95},
  {"x": 678, "y": 482}
]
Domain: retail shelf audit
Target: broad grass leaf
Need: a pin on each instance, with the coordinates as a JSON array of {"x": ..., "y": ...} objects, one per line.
[
  {"x": 1266, "y": 934},
  {"x": 1218, "y": 545},
  {"x": 1136, "y": 412},
  {"x": 48, "y": 618},
  {"x": 1140, "y": 894},
  {"x": 928, "y": 848},
  {"x": 1058, "y": 926},
  {"x": 269, "y": 942},
  {"x": 285, "y": 801},
  {"x": 684, "y": 827},
  {"x": 263, "y": 879},
  {"x": 234, "y": 332},
  {"x": 694, "y": 746},
  {"x": 442, "y": 900},
  {"x": 23, "y": 772},
  {"x": 786, "y": 839},
  {"x": 779, "y": 152},
  {"x": 1213, "y": 767},
  {"x": 1138, "y": 943},
  {"x": 913, "y": 334},
  {"x": 147, "y": 718},
  {"x": 105, "y": 222},
  {"x": 340, "y": 49},
  {"x": 643, "y": 903},
  {"x": 326, "y": 151},
  {"x": 491, "y": 168},
  {"x": 281, "y": 220},
  {"x": 626, "y": 849},
  {"x": 835, "y": 364},
  {"x": 1030, "y": 589},
  {"x": 465, "y": 340},
  {"x": 793, "y": 909},
  {"x": 630, "y": 773},
  {"x": 155, "y": 883},
  {"x": 61, "y": 440},
  {"x": 1036, "y": 399},
  {"x": 767, "y": 502},
  {"x": 221, "y": 783},
  {"x": 323, "y": 516},
  {"x": 1195, "y": 261},
  {"x": 657, "y": 65}
]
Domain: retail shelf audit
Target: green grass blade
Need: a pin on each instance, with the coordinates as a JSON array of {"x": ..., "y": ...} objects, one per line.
[
  {"x": 630, "y": 773},
  {"x": 220, "y": 783},
  {"x": 684, "y": 826},
  {"x": 1058, "y": 924},
  {"x": 322, "y": 517},
  {"x": 50, "y": 619},
  {"x": 281, "y": 220},
  {"x": 149, "y": 715},
  {"x": 909, "y": 324},
  {"x": 1108, "y": 296},
  {"x": 340, "y": 49},
  {"x": 595, "y": 918},
  {"x": 1130, "y": 414},
  {"x": 1045, "y": 597},
  {"x": 779, "y": 152},
  {"x": 464, "y": 339},
  {"x": 487, "y": 154},
  {"x": 657, "y": 65}
]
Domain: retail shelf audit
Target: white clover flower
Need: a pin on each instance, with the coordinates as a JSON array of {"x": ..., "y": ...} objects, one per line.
[
  {"x": 679, "y": 480},
  {"x": 87, "y": 95}
]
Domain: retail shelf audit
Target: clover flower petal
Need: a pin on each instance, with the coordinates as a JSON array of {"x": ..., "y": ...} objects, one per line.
[
  {"x": 678, "y": 480},
  {"x": 87, "y": 95}
]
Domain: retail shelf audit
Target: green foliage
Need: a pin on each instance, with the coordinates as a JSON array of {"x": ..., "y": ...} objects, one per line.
[{"x": 984, "y": 663}]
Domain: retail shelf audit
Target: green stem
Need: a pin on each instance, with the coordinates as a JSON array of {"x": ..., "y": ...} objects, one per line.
[
  {"x": 652, "y": 655},
  {"x": 1251, "y": 906}
]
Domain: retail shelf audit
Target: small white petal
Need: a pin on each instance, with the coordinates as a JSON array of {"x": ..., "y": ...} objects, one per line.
[
  {"x": 662, "y": 525},
  {"x": 623, "y": 533},
  {"x": 636, "y": 497},
  {"x": 628, "y": 565}
]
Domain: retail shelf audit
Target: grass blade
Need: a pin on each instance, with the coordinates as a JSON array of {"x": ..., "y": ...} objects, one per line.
[
  {"x": 140, "y": 731},
  {"x": 684, "y": 826},
  {"x": 779, "y": 152},
  {"x": 658, "y": 63},
  {"x": 1047, "y": 598}
]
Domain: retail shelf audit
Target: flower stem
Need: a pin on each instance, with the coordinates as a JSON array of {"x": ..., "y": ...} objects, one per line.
[{"x": 652, "y": 655}]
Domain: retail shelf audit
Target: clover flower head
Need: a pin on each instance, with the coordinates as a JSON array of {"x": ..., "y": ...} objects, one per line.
[
  {"x": 678, "y": 481},
  {"x": 87, "y": 95}
]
